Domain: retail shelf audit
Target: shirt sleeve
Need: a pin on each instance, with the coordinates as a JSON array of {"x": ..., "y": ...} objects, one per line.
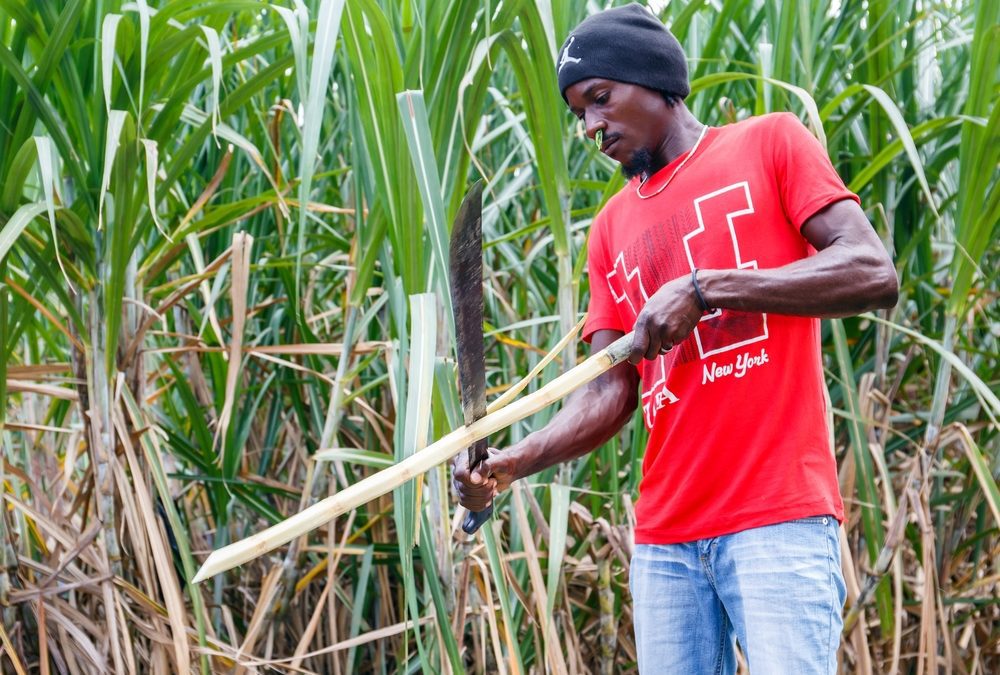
[
  {"x": 602, "y": 313},
  {"x": 807, "y": 181}
]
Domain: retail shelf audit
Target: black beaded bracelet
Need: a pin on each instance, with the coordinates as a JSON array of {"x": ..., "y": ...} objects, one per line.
[{"x": 697, "y": 291}]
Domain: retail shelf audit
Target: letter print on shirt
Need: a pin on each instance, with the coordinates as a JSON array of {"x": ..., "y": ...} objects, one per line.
[
  {"x": 626, "y": 287},
  {"x": 657, "y": 395},
  {"x": 714, "y": 210}
]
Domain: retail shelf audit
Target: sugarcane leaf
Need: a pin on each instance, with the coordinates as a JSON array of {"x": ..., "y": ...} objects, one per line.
[
  {"x": 15, "y": 226},
  {"x": 109, "y": 31}
]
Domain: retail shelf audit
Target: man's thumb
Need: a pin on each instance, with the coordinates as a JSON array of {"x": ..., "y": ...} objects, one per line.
[
  {"x": 495, "y": 463},
  {"x": 481, "y": 472}
]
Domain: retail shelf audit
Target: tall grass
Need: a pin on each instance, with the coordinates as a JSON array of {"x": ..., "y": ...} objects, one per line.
[{"x": 221, "y": 250}]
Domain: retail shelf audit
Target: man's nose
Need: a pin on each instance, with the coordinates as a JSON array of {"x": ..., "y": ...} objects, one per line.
[{"x": 593, "y": 123}]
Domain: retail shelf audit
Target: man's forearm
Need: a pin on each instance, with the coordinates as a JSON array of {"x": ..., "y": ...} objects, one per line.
[
  {"x": 587, "y": 419},
  {"x": 816, "y": 286},
  {"x": 851, "y": 273}
]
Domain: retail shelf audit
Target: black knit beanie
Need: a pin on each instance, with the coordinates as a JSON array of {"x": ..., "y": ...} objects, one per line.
[{"x": 627, "y": 44}]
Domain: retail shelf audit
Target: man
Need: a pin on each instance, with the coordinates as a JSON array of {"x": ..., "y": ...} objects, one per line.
[{"x": 721, "y": 251}]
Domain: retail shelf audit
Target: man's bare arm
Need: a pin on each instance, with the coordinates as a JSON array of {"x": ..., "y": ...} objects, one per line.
[
  {"x": 589, "y": 417},
  {"x": 851, "y": 273}
]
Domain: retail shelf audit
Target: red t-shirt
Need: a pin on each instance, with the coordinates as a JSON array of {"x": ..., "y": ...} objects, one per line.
[{"x": 736, "y": 412}]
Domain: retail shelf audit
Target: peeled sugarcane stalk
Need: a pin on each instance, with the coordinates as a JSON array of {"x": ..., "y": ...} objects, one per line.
[{"x": 392, "y": 477}]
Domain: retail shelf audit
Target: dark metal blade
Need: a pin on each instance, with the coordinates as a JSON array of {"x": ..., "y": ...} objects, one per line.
[
  {"x": 467, "y": 299},
  {"x": 466, "y": 271}
]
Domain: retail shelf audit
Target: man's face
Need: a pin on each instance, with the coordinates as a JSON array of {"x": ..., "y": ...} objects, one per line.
[{"x": 632, "y": 119}]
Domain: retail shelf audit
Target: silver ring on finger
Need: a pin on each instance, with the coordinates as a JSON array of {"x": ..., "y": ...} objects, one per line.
[{"x": 666, "y": 348}]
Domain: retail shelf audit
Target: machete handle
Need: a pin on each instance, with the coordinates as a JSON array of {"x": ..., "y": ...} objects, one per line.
[{"x": 475, "y": 519}]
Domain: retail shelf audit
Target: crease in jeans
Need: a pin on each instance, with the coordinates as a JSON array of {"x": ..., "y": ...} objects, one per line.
[
  {"x": 833, "y": 592},
  {"x": 720, "y": 655},
  {"x": 705, "y": 558},
  {"x": 707, "y": 548}
]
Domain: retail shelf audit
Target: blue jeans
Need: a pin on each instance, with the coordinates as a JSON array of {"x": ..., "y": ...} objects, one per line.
[{"x": 777, "y": 589}]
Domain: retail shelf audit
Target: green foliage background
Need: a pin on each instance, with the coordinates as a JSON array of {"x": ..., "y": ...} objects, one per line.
[{"x": 223, "y": 230}]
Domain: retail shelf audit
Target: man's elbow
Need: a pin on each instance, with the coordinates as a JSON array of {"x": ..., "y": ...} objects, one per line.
[
  {"x": 617, "y": 395},
  {"x": 629, "y": 401},
  {"x": 883, "y": 284}
]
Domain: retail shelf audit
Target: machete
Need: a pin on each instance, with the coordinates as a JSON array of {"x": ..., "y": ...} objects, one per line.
[{"x": 466, "y": 272}]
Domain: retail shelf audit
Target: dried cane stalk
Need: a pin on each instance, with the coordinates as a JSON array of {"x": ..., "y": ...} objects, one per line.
[{"x": 441, "y": 451}]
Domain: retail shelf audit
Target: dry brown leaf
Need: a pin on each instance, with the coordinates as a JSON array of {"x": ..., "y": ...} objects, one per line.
[
  {"x": 242, "y": 245},
  {"x": 14, "y": 386},
  {"x": 162, "y": 560}
]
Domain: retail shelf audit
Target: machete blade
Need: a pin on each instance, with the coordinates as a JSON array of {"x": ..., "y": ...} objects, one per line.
[{"x": 466, "y": 272}]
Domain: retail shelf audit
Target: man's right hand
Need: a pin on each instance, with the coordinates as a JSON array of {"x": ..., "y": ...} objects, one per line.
[{"x": 476, "y": 489}]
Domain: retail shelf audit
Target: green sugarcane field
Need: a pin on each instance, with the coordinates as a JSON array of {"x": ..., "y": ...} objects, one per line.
[{"x": 231, "y": 323}]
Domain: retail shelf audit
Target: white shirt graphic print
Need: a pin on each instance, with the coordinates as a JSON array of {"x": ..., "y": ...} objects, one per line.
[{"x": 715, "y": 214}]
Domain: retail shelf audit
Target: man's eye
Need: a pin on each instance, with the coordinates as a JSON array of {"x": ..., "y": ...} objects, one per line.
[{"x": 602, "y": 99}]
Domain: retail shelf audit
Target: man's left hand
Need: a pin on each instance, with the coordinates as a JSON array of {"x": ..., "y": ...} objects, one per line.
[{"x": 668, "y": 317}]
